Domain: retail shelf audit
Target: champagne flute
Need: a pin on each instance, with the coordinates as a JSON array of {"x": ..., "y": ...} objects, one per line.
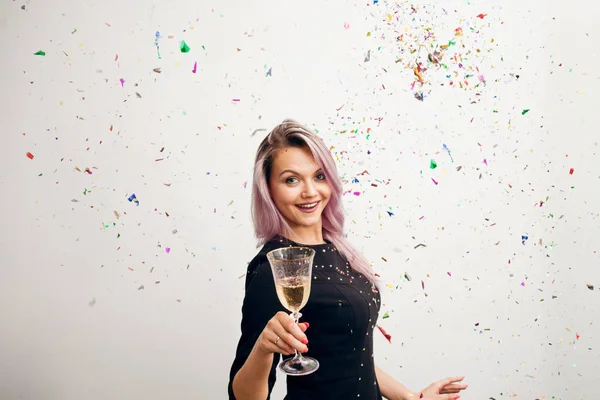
[{"x": 292, "y": 273}]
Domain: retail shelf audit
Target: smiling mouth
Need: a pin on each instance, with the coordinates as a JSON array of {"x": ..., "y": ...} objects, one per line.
[{"x": 308, "y": 207}]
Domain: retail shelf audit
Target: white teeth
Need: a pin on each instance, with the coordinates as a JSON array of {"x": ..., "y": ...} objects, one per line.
[{"x": 308, "y": 205}]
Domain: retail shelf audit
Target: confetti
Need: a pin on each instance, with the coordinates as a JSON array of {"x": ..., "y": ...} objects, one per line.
[
  {"x": 39, "y": 53},
  {"x": 183, "y": 47},
  {"x": 571, "y": 171},
  {"x": 524, "y": 112},
  {"x": 384, "y": 333},
  {"x": 447, "y": 150},
  {"x": 195, "y": 67},
  {"x": 156, "y": 37},
  {"x": 432, "y": 164},
  {"x": 29, "y": 155},
  {"x": 257, "y": 130},
  {"x": 134, "y": 199}
]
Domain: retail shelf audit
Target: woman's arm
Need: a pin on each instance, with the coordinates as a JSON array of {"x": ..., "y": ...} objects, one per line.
[
  {"x": 251, "y": 381},
  {"x": 390, "y": 388}
]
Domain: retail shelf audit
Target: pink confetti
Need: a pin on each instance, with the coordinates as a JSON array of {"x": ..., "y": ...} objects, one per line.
[
  {"x": 236, "y": 100},
  {"x": 122, "y": 82},
  {"x": 434, "y": 181},
  {"x": 449, "y": 273},
  {"x": 522, "y": 283},
  {"x": 423, "y": 285},
  {"x": 485, "y": 161},
  {"x": 195, "y": 67},
  {"x": 168, "y": 250}
]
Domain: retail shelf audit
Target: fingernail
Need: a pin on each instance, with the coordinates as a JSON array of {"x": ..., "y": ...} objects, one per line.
[
  {"x": 307, "y": 324},
  {"x": 457, "y": 397},
  {"x": 306, "y": 349},
  {"x": 304, "y": 341}
]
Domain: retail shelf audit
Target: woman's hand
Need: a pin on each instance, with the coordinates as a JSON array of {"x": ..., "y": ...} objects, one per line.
[
  {"x": 444, "y": 386},
  {"x": 283, "y": 335}
]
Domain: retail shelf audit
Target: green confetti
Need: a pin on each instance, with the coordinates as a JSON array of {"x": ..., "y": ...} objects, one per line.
[
  {"x": 386, "y": 315},
  {"x": 432, "y": 164},
  {"x": 184, "y": 47},
  {"x": 525, "y": 112},
  {"x": 40, "y": 53}
]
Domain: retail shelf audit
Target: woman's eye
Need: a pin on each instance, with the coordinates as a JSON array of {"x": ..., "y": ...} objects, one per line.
[{"x": 292, "y": 179}]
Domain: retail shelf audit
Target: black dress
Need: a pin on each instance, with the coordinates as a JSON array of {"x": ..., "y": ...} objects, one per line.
[{"x": 342, "y": 312}]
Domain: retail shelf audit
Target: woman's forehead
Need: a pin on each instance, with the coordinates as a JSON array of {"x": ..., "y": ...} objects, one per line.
[{"x": 294, "y": 157}]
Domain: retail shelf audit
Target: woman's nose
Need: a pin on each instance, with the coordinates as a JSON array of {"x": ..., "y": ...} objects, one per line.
[{"x": 310, "y": 190}]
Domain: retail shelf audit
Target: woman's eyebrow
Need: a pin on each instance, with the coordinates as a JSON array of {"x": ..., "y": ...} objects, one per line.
[{"x": 294, "y": 172}]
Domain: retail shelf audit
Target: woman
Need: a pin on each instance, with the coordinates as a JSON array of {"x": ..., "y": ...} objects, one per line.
[{"x": 297, "y": 201}]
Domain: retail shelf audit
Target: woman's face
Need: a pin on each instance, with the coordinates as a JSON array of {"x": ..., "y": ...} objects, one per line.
[{"x": 296, "y": 179}]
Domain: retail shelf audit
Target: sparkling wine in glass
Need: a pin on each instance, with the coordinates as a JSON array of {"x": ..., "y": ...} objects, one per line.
[{"x": 292, "y": 273}]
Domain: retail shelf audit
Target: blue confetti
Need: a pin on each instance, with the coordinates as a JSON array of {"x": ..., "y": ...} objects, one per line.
[{"x": 134, "y": 199}]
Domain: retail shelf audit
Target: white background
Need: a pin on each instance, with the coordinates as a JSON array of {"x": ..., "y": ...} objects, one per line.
[{"x": 93, "y": 307}]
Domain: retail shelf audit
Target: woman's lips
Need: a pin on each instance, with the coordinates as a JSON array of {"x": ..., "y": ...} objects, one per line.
[{"x": 308, "y": 210}]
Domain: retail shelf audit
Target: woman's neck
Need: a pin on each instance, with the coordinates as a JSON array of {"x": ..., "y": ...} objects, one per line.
[{"x": 308, "y": 239}]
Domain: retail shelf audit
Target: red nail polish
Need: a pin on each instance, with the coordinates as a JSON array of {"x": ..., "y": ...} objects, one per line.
[
  {"x": 304, "y": 341},
  {"x": 307, "y": 324}
]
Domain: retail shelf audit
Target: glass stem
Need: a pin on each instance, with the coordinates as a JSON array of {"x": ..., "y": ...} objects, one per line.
[{"x": 296, "y": 315}]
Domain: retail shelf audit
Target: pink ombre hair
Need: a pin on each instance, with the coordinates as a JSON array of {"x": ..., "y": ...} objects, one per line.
[{"x": 268, "y": 221}]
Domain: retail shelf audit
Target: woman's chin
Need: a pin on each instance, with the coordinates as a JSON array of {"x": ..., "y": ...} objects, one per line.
[{"x": 308, "y": 220}]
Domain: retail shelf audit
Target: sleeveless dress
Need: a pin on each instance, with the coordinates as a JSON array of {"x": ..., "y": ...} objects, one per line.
[{"x": 342, "y": 311}]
